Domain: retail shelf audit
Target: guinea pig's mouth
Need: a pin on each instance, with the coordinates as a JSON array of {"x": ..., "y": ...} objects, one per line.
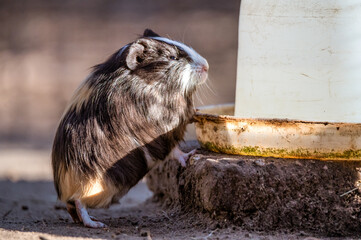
[
  {"x": 202, "y": 72},
  {"x": 193, "y": 75}
]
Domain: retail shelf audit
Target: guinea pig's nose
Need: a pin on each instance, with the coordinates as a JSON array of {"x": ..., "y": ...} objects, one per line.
[{"x": 205, "y": 67}]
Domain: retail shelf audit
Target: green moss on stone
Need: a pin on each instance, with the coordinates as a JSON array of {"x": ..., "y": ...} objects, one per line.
[{"x": 283, "y": 153}]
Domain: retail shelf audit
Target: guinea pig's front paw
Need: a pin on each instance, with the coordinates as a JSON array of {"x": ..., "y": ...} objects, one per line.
[{"x": 181, "y": 156}]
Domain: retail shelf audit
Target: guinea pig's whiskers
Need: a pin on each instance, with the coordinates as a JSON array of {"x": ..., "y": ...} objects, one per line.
[
  {"x": 205, "y": 91},
  {"x": 200, "y": 94},
  {"x": 210, "y": 87},
  {"x": 200, "y": 100}
]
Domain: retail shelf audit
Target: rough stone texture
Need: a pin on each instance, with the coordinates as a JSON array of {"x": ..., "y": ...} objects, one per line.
[{"x": 265, "y": 193}]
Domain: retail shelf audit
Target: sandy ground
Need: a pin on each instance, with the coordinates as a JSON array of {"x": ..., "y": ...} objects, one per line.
[{"x": 29, "y": 210}]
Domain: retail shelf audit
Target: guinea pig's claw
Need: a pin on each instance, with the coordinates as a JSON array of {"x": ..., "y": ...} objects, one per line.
[
  {"x": 191, "y": 153},
  {"x": 183, "y": 157},
  {"x": 94, "y": 224}
]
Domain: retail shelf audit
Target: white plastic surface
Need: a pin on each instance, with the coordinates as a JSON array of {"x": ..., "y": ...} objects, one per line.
[{"x": 300, "y": 59}]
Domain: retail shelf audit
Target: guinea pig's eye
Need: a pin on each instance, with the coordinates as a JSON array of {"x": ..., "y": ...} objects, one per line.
[{"x": 173, "y": 58}]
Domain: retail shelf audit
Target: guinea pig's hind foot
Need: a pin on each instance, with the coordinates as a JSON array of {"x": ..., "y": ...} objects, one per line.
[
  {"x": 74, "y": 215},
  {"x": 84, "y": 217},
  {"x": 72, "y": 211}
]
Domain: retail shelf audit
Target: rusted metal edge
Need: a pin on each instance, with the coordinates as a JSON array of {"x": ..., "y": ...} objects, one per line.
[
  {"x": 284, "y": 138},
  {"x": 200, "y": 116}
]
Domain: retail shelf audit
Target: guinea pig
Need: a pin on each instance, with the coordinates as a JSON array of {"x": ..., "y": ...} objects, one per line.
[{"x": 129, "y": 114}]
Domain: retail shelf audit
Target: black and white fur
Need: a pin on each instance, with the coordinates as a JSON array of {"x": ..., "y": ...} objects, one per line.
[{"x": 129, "y": 113}]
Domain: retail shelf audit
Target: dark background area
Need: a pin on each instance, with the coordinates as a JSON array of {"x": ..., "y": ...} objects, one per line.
[{"x": 48, "y": 47}]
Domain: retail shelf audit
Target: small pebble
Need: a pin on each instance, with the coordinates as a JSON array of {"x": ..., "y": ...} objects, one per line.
[
  {"x": 59, "y": 207},
  {"x": 298, "y": 163},
  {"x": 196, "y": 157},
  {"x": 260, "y": 162}
]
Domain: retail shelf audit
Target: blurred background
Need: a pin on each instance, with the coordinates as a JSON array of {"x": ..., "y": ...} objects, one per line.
[{"x": 48, "y": 47}]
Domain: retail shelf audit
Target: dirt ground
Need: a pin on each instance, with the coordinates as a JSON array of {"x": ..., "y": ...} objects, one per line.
[{"x": 29, "y": 210}]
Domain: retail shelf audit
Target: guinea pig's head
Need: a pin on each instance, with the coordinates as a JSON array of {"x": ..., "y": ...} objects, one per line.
[{"x": 160, "y": 60}]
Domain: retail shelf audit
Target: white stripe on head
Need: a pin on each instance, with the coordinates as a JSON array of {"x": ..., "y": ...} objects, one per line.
[{"x": 197, "y": 59}]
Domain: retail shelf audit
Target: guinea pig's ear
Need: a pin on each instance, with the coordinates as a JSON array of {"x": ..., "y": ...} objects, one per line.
[
  {"x": 149, "y": 33},
  {"x": 135, "y": 56}
]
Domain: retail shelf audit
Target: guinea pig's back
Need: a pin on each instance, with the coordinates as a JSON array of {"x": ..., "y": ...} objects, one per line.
[
  {"x": 83, "y": 149},
  {"x": 95, "y": 157}
]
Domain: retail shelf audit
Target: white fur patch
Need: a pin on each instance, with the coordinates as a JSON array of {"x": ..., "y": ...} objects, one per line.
[
  {"x": 186, "y": 78},
  {"x": 155, "y": 112}
]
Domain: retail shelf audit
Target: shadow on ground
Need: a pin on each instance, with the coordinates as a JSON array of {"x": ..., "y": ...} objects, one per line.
[
  {"x": 32, "y": 206},
  {"x": 29, "y": 210}
]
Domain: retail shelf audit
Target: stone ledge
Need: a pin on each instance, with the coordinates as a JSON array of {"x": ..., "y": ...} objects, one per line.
[{"x": 265, "y": 193}]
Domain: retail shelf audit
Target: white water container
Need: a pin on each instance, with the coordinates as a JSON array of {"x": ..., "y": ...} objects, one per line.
[{"x": 300, "y": 59}]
